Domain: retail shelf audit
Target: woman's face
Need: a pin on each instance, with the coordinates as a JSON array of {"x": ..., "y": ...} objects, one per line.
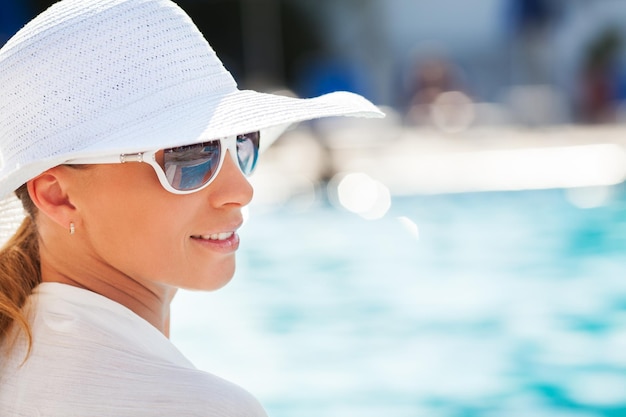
[{"x": 132, "y": 226}]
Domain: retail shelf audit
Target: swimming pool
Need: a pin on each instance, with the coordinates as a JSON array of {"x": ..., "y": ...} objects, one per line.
[{"x": 496, "y": 304}]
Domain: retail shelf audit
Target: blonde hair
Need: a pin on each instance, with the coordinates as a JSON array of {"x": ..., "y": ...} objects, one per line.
[{"x": 20, "y": 270}]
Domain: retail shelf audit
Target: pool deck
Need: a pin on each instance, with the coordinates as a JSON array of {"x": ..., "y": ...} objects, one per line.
[{"x": 411, "y": 160}]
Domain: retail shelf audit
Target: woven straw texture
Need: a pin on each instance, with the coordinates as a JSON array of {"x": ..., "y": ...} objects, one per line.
[{"x": 95, "y": 77}]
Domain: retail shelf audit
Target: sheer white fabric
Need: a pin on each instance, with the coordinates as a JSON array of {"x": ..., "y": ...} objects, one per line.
[{"x": 94, "y": 357}]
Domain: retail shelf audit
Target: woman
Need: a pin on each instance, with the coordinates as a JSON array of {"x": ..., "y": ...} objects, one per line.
[{"x": 127, "y": 143}]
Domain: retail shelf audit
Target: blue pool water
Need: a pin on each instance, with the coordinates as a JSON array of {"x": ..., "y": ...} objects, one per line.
[{"x": 503, "y": 304}]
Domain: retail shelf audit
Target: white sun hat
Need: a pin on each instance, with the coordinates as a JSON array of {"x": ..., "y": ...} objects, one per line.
[{"x": 101, "y": 77}]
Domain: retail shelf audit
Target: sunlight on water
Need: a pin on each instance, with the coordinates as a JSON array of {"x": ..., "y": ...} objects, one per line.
[
  {"x": 589, "y": 197},
  {"x": 410, "y": 226}
]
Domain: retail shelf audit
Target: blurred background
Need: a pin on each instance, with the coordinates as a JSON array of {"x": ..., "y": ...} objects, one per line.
[{"x": 466, "y": 255}]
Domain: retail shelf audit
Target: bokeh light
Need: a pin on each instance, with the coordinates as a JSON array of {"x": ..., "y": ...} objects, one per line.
[{"x": 361, "y": 194}]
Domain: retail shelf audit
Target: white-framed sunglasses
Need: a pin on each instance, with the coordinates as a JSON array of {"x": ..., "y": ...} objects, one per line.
[{"x": 190, "y": 168}]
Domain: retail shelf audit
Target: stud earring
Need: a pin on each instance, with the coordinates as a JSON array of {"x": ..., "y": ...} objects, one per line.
[{"x": 72, "y": 228}]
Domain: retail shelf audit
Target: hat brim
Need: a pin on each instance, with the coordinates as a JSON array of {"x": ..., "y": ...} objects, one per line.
[
  {"x": 173, "y": 124},
  {"x": 199, "y": 119}
]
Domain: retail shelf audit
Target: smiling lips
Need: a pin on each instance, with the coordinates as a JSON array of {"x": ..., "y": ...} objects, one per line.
[
  {"x": 225, "y": 242},
  {"x": 215, "y": 236}
]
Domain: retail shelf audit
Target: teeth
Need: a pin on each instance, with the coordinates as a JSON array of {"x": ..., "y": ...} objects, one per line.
[{"x": 216, "y": 236}]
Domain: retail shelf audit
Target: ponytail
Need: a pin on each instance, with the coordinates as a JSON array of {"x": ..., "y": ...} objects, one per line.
[{"x": 19, "y": 270}]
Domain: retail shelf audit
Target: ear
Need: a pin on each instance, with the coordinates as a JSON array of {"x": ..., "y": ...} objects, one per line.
[{"x": 49, "y": 193}]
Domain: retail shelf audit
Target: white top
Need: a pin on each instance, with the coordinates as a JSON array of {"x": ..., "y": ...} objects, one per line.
[{"x": 94, "y": 357}]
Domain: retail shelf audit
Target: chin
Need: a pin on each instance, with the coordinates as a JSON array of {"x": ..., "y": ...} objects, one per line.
[
  {"x": 205, "y": 284},
  {"x": 215, "y": 285},
  {"x": 212, "y": 281}
]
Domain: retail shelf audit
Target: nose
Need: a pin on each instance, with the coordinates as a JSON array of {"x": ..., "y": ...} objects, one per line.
[{"x": 230, "y": 187}]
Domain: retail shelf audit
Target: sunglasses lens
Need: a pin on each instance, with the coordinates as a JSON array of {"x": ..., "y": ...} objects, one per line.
[
  {"x": 190, "y": 167},
  {"x": 248, "y": 151}
]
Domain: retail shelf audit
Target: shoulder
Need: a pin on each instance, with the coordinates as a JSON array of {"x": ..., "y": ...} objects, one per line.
[
  {"x": 109, "y": 364},
  {"x": 107, "y": 382}
]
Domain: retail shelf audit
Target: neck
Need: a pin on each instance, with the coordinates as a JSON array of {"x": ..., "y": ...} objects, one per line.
[{"x": 148, "y": 300}]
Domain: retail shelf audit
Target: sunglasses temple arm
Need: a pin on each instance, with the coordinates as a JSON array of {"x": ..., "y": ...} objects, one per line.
[{"x": 108, "y": 159}]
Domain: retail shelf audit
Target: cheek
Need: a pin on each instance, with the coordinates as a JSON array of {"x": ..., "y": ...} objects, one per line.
[
  {"x": 132, "y": 223},
  {"x": 134, "y": 226},
  {"x": 156, "y": 246}
]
